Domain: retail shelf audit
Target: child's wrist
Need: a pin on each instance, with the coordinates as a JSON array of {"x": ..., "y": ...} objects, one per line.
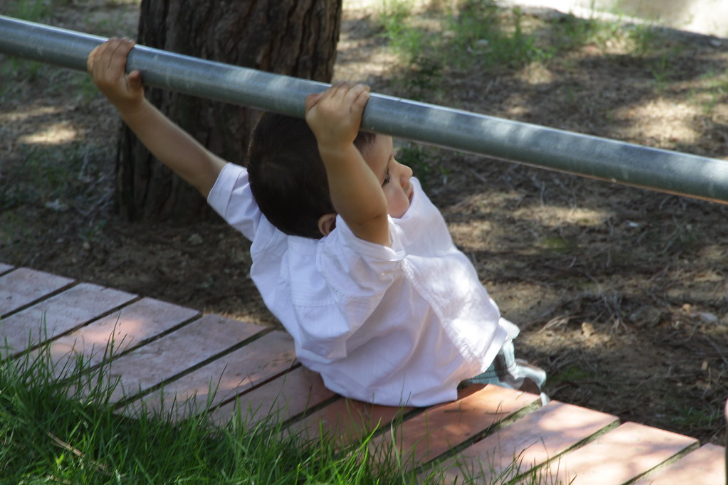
[
  {"x": 334, "y": 149},
  {"x": 130, "y": 110}
]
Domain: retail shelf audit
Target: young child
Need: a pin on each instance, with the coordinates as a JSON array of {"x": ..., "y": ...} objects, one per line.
[{"x": 348, "y": 252}]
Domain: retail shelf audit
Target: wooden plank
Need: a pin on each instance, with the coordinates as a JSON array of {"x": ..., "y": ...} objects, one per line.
[
  {"x": 618, "y": 456},
  {"x": 530, "y": 441},
  {"x": 705, "y": 466},
  {"x": 298, "y": 390},
  {"x": 283, "y": 398},
  {"x": 173, "y": 354},
  {"x": 58, "y": 315},
  {"x": 4, "y": 268},
  {"x": 346, "y": 421},
  {"x": 226, "y": 377},
  {"x": 24, "y": 286},
  {"x": 128, "y": 328},
  {"x": 440, "y": 428}
]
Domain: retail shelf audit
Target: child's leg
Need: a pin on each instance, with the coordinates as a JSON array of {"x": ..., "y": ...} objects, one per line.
[{"x": 507, "y": 371}]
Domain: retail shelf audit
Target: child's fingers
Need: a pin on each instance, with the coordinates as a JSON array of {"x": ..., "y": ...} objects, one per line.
[
  {"x": 312, "y": 100},
  {"x": 105, "y": 55},
  {"x": 90, "y": 61},
  {"x": 358, "y": 95},
  {"x": 107, "y": 65},
  {"x": 123, "y": 49},
  {"x": 338, "y": 91},
  {"x": 334, "y": 94},
  {"x": 360, "y": 103},
  {"x": 134, "y": 79},
  {"x": 114, "y": 58},
  {"x": 108, "y": 60},
  {"x": 94, "y": 58},
  {"x": 356, "y": 98},
  {"x": 337, "y": 88}
]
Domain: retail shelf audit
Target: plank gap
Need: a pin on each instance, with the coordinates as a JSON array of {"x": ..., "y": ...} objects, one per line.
[
  {"x": 50, "y": 340},
  {"x": 134, "y": 397},
  {"x": 44, "y": 297},
  {"x": 480, "y": 436},
  {"x": 674, "y": 458}
]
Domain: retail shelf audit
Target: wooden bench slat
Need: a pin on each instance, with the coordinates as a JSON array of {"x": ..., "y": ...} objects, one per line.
[
  {"x": 227, "y": 377},
  {"x": 618, "y": 456},
  {"x": 129, "y": 327},
  {"x": 25, "y": 286},
  {"x": 705, "y": 466},
  {"x": 531, "y": 441},
  {"x": 440, "y": 428},
  {"x": 346, "y": 421},
  {"x": 173, "y": 354},
  {"x": 285, "y": 397},
  {"x": 82, "y": 319},
  {"x": 58, "y": 315}
]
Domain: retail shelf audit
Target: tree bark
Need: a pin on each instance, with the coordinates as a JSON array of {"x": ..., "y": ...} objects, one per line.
[{"x": 291, "y": 37}]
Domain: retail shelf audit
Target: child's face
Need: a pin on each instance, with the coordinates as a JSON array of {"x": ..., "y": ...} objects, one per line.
[{"x": 394, "y": 177}]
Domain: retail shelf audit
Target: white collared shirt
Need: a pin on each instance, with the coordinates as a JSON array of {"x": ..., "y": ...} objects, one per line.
[{"x": 394, "y": 325}]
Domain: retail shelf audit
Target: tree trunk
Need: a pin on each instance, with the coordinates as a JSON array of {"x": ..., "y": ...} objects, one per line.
[{"x": 291, "y": 37}]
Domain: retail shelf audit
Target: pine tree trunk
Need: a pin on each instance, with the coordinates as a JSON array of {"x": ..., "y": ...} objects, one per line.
[{"x": 291, "y": 37}]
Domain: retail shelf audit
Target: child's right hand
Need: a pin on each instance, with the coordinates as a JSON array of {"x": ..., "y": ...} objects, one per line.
[
  {"x": 334, "y": 116},
  {"x": 107, "y": 64}
]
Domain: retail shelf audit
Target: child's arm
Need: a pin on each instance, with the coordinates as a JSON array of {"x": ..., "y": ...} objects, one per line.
[
  {"x": 165, "y": 140},
  {"x": 334, "y": 117}
]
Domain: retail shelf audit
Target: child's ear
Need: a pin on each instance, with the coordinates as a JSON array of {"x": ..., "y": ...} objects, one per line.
[{"x": 327, "y": 223}]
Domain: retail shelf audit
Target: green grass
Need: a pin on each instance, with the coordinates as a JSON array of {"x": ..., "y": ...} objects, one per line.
[
  {"x": 31, "y": 10},
  {"x": 477, "y": 34},
  {"x": 712, "y": 93},
  {"x": 67, "y": 432},
  {"x": 438, "y": 39},
  {"x": 559, "y": 244},
  {"x": 64, "y": 430},
  {"x": 572, "y": 374},
  {"x": 424, "y": 163},
  {"x": 51, "y": 173}
]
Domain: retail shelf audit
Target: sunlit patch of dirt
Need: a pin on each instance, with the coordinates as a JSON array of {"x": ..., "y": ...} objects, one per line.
[{"x": 621, "y": 293}]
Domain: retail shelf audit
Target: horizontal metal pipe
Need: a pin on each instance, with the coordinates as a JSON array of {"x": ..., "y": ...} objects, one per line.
[{"x": 574, "y": 153}]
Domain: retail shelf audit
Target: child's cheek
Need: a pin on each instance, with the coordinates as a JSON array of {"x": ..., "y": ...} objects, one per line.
[{"x": 398, "y": 205}]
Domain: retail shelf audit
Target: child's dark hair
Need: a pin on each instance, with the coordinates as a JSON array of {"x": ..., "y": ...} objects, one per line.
[{"x": 288, "y": 177}]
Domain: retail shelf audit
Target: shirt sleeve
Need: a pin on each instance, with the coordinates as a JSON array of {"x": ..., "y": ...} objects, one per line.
[
  {"x": 358, "y": 274},
  {"x": 358, "y": 268},
  {"x": 232, "y": 199}
]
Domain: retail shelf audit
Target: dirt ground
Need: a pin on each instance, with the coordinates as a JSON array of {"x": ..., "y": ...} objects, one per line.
[{"x": 621, "y": 293}]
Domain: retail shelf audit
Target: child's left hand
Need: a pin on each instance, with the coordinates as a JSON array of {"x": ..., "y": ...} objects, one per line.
[
  {"x": 334, "y": 116},
  {"x": 107, "y": 64}
]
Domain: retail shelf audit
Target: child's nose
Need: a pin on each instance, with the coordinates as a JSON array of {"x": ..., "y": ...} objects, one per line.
[{"x": 406, "y": 174}]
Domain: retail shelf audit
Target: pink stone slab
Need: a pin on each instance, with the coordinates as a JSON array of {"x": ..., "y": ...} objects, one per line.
[
  {"x": 222, "y": 379},
  {"x": 283, "y": 398},
  {"x": 173, "y": 354},
  {"x": 443, "y": 427},
  {"x": 530, "y": 441},
  {"x": 618, "y": 456},
  {"x": 124, "y": 329},
  {"x": 4, "y": 268},
  {"x": 25, "y": 286},
  {"x": 705, "y": 466},
  {"x": 59, "y": 314}
]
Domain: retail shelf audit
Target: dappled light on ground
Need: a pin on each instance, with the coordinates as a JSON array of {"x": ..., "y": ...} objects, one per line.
[
  {"x": 55, "y": 134},
  {"x": 662, "y": 120},
  {"x": 620, "y": 292}
]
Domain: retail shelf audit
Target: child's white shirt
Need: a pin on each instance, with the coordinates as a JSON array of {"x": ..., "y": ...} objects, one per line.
[{"x": 398, "y": 325}]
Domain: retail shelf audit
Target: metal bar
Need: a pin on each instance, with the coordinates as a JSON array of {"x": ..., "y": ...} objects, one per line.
[{"x": 574, "y": 153}]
